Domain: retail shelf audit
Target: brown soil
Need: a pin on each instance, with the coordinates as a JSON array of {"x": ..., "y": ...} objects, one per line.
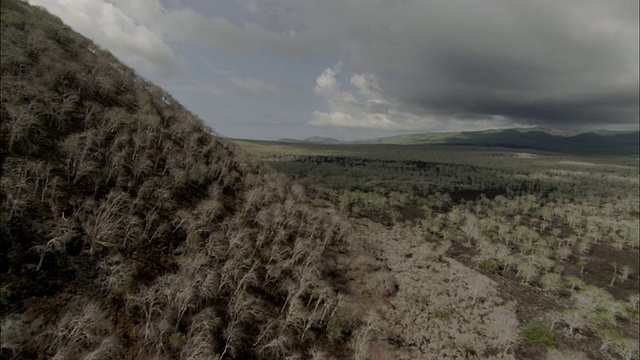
[{"x": 599, "y": 270}]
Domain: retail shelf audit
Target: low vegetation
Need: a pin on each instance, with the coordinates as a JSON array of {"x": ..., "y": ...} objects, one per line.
[
  {"x": 537, "y": 334},
  {"x": 557, "y": 233}
]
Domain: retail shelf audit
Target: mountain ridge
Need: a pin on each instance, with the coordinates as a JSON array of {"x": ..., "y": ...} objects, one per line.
[{"x": 603, "y": 142}]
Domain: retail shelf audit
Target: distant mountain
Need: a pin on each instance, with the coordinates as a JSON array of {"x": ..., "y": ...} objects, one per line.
[
  {"x": 417, "y": 139},
  {"x": 320, "y": 139},
  {"x": 592, "y": 143},
  {"x": 313, "y": 139}
]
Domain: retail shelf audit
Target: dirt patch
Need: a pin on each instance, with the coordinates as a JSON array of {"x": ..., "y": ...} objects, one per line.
[
  {"x": 532, "y": 303},
  {"x": 434, "y": 307},
  {"x": 599, "y": 270},
  {"x": 428, "y": 301}
]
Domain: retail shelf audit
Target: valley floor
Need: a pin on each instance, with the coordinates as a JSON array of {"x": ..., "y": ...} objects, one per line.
[
  {"x": 478, "y": 253},
  {"x": 427, "y": 305}
]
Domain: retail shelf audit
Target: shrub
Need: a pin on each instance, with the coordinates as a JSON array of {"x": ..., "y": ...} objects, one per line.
[
  {"x": 538, "y": 335},
  {"x": 552, "y": 282},
  {"x": 575, "y": 283},
  {"x": 527, "y": 271},
  {"x": 563, "y": 253},
  {"x": 625, "y": 271},
  {"x": 489, "y": 265},
  {"x": 633, "y": 304},
  {"x": 23, "y": 126},
  {"x": 615, "y": 345},
  {"x": 336, "y": 329},
  {"x": 176, "y": 340}
]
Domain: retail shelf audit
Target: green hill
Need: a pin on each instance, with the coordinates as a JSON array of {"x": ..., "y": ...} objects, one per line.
[
  {"x": 417, "y": 139},
  {"x": 129, "y": 231}
]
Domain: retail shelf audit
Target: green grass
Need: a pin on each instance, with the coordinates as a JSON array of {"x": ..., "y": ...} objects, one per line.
[
  {"x": 538, "y": 335},
  {"x": 336, "y": 329},
  {"x": 490, "y": 265}
]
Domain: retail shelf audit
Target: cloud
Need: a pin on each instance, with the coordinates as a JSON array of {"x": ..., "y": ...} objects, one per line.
[
  {"x": 327, "y": 85},
  {"x": 563, "y": 64},
  {"x": 113, "y": 29},
  {"x": 184, "y": 24},
  {"x": 253, "y": 84},
  {"x": 367, "y": 84},
  {"x": 373, "y": 112}
]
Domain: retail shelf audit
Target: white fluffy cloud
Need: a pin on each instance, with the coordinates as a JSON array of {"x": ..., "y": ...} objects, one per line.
[
  {"x": 115, "y": 30},
  {"x": 372, "y": 111},
  {"x": 346, "y": 110}
]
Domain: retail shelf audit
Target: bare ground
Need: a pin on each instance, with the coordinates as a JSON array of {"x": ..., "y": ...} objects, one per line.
[
  {"x": 421, "y": 304},
  {"x": 421, "y": 298}
]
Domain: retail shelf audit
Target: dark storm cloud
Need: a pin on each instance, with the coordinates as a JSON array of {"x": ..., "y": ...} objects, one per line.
[
  {"x": 569, "y": 63},
  {"x": 617, "y": 107}
]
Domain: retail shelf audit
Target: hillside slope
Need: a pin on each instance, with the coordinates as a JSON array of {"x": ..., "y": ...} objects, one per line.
[{"x": 129, "y": 230}]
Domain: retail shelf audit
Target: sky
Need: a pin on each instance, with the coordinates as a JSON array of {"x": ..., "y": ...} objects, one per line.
[{"x": 356, "y": 69}]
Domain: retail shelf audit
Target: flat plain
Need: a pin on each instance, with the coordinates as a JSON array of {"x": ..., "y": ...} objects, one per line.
[{"x": 479, "y": 252}]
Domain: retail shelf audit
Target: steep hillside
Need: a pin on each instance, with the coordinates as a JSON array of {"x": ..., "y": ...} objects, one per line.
[{"x": 130, "y": 230}]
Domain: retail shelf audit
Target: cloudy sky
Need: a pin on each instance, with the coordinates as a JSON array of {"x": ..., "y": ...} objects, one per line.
[{"x": 355, "y": 69}]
